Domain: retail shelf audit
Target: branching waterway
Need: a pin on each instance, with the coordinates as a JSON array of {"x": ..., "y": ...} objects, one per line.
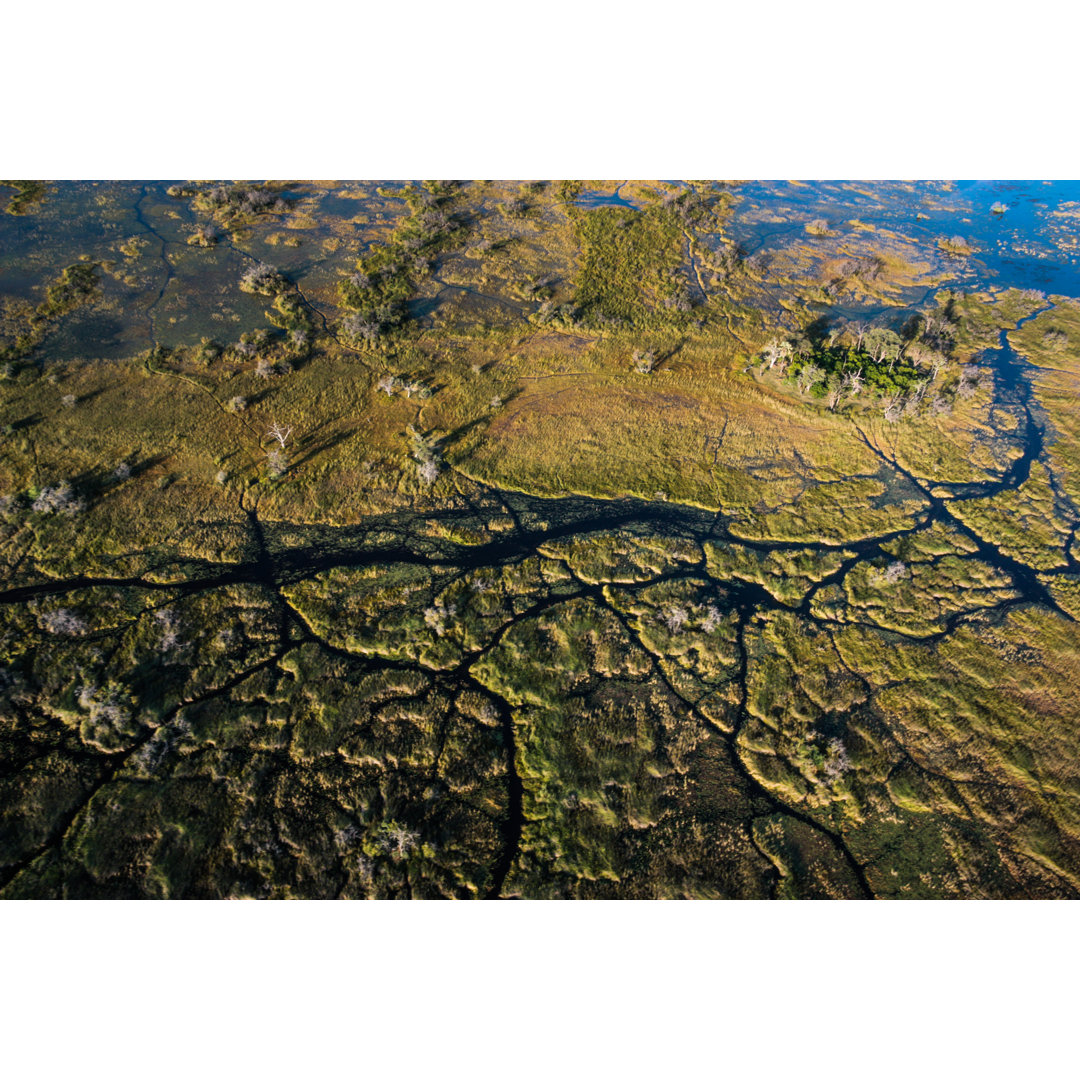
[
  {"x": 464, "y": 698},
  {"x": 284, "y": 555}
]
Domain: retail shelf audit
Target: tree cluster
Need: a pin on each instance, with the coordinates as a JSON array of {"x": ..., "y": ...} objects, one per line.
[
  {"x": 229, "y": 204},
  {"x": 387, "y": 275},
  {"x": 896, "y": 371}
]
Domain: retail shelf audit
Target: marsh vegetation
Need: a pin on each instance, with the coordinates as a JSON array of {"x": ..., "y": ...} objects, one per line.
[{"x": 528, "y": 539}]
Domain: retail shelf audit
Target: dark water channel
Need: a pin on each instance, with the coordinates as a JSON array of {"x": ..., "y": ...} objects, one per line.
[{"x": 278, "y": 560}]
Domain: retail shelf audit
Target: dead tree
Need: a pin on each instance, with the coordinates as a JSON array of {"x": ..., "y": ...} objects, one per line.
[{"x": 279, "y": 433}]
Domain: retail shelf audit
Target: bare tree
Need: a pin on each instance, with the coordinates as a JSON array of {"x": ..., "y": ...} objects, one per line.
[
  {"x": 397, "y": 839},
  {"x": 262, "y": 279},
  {"x": 362, "y": 328},
  {"x": 969, "y": 381},
  {"x": 425, "y": 449},
  {"x": 921, "y": 354},
  {"x": 64, "y": 621},
  {"x": 277, "y": 464},
  {"x": 776, "y": 352},
  {"x": 169, "y": 622},
  {"x": 204, "y": 235},
  {"x": 853, "y": 382},
  {"x": 938, "y": 331},
  {"x": 893, "y": 406},
  {"x": 277, "y": 460},
  {"x": 437, "y": 616},
  {"x": 279, "y": 433},
  {"x": 882, "y": 343},
  {"x": 895, "y": 571},
  {"x": 837, "y": 761},
  {"x": 675, "y": 618},
  {"x": 61, "y": 499},
  {"x": 809, "y": 376},
  {"x": 1055, "y": 339}
]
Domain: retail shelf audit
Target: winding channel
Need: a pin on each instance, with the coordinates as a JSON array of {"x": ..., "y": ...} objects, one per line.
[{"x": 275, "y": 565}]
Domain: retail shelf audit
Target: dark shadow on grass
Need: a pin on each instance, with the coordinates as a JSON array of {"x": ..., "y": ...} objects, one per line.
[{"x": 313, "y": 447}]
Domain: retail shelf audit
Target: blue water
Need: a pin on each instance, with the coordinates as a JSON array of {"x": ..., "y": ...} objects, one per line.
[
  {"x": 591, "y": 199},
  {"x": 1034, "y": 244},
  {"x": 1021, "y": 247}
]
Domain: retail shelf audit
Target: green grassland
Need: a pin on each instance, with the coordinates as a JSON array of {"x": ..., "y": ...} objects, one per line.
[{"x": 470, "y": 539}]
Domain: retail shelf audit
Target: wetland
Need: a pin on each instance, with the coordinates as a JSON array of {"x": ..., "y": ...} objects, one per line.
[{"x": 517, "y": 539}]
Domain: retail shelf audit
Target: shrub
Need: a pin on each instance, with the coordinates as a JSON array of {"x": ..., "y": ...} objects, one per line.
[
  {"x": 437, "y": 616},
  {"x": 263, "y": 280},
  {"x": 60, "y": 499},
  {"x": 208, "y": 351},
  {"x": 63, "y": 621},
  {"x": 362, "y": 328},
  {"x": 169, "y": 622},
  {"x": 204, "y": 236},
  {"x": 277, "y": 463}
]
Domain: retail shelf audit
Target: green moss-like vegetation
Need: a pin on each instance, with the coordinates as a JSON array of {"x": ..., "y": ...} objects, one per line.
[
  {"x": 76, "y": 286},
  {"x": 787, "y": 574},
  {"x": 628, "y": 262},
  {"x": 389, "y": 273},
  {"x": 917, "y": 598},
  {"x": 29, "y": 194},
  {"x": 529, "y": 539},
  {"x": 1030, "y": 524},
  {"x": 836, "y": 513}
]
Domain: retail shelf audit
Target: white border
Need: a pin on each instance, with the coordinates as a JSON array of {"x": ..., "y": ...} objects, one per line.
[
  {"x": 559, "y": 89},
  {"x": 534, "y": 989},
  {"x": 563, "y": 88}
]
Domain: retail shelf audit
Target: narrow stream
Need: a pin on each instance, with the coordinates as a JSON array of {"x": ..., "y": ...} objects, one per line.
[{"x": 278, "y": 561}]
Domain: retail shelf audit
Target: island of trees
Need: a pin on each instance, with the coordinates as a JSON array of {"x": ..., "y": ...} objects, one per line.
[{"x": 896, "y": 372}]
